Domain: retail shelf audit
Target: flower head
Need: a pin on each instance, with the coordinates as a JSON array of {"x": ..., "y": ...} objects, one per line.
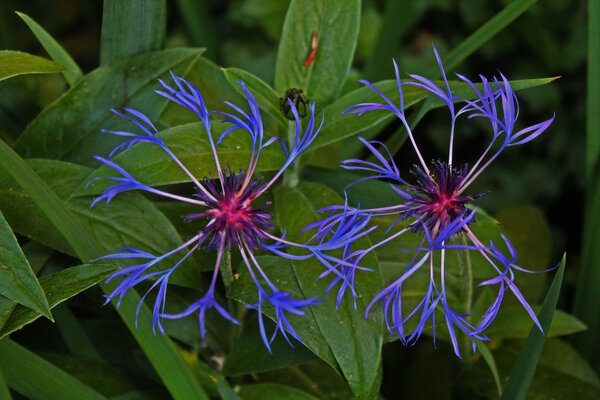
[
  {"x": 434, "y": 204},
  {"x": 234, "y": 221}
]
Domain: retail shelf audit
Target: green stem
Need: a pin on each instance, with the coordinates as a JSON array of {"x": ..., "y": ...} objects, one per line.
[
  {"x": 291, "y": 175},
  {"x": 466, "y": 280}
]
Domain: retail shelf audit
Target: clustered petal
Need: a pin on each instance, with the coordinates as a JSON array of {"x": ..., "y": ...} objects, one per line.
[
  {"x": 433, "y": 205},
  {"x": 227, "y": 204}
]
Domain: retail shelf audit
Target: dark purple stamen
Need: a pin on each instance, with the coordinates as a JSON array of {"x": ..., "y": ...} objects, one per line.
[
  {"x": 230, "y": 213},
  {"x": 435, "y": 198}
]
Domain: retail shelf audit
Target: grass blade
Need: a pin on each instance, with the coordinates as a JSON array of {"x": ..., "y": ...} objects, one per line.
[
  {"x": 75, "y": 337},
  {"x": 482, "y": 35},
  {"x": 54, "y": 49},
  {"x": 522, "y": 374},
  {"x": 37, "y": 379},
  {"x": 587, "y": 297},
  {"x": 131, "y": 27},
  {"x": 488, "y": 357},
  {"x": 471, "y": 44},
  {"x": 162, "y": 353}
]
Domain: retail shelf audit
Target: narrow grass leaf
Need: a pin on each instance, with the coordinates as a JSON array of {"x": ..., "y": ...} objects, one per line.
[
  {"x": 587, "y": 297},
  {"x": 131, "y": 27},
  {"x": 37, "y": 379},
  {"x": 13, "y": 63},
  {"x": 482, "y": 35},
  {"x": 488, "y": 357},
  {"x": 75, "y": 337},
  {"x": 522, "y": 374},
  {"x": 54, "y": 49}
]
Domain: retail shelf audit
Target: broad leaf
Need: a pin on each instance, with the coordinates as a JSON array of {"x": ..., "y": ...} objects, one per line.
[
  {"x": 149, "y": 164},
  {"x": 335, "y": 24},
  {"x": 249, "y": 355},
  {"x": 13, "y": 63},
  {"x": 130, "y": 220},
  {"x": 58, "y": 287},
  {"x": 17, "y": 281},
  {"x": 338, "y": 126},
  {"x": 69, "y": 129},
  {"x": 161, "y": 352},
  {"x": 268, "y": 99},
  {"x": 340, "y": 337}
]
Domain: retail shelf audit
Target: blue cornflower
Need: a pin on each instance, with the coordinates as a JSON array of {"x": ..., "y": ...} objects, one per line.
[
  {"x": 434, "y": 206},
  {"x": 228, "y": 205}
]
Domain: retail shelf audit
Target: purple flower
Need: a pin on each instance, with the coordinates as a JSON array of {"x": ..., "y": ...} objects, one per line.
[
  {"x": 433, "y": 203},
  {"x": 228, "y": 205}
]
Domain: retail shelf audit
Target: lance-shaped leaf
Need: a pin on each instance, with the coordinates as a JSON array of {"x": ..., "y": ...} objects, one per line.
[
  {"x": 13, "y": 63},
  {"x": 58, "y": 287},
  {"x": 17, "y": 281}
]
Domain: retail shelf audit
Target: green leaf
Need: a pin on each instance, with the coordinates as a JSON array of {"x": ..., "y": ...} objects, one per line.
[
  {"x": 489, "y": 359},
  {"x": 587, "y": 297},
  {"x": 341, "y": 337},
  {"x": 268, "y": 99},
  {"x": 520, "y": 378},
  {"x": 272, "y": 391},
  {"x": 69, "y": 128},
  {"x": 515, "y": 323},
  {"x": 200, "y": 25},
  {"x": 131, "y": 27},
  {"x": 58, "y": 287},
  {"x": 72, "y": 332},
  {"x": 37, "y": 379},
  {"x": 161, "y": 352},
  {"x": 336, "y": 25},
  {"x": 485, "y": 33},
  {"x": 338, "y": 126},
  {"x": 123, "y": 223},
  {"x": 17, "y": 280},
  {"x": 561, "y": 373},
  {"x": 105, "y": 378},
  {"x": 593, "y": 91},
  {"x": 315, "y": 378},
  {"x": 248, "y": 355},
  {"x": 4, "y": 391},
  {"x": 13, "y": 63},
  {"x": 227, "y": 393},
  {"x": 149, "y": 164},
  {"x": 54, "y": 49}
]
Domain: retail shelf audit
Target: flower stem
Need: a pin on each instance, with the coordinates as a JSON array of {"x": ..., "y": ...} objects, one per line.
[
  {"x": 291, "y": 175},
  {"x": 466, "y": 279}
]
